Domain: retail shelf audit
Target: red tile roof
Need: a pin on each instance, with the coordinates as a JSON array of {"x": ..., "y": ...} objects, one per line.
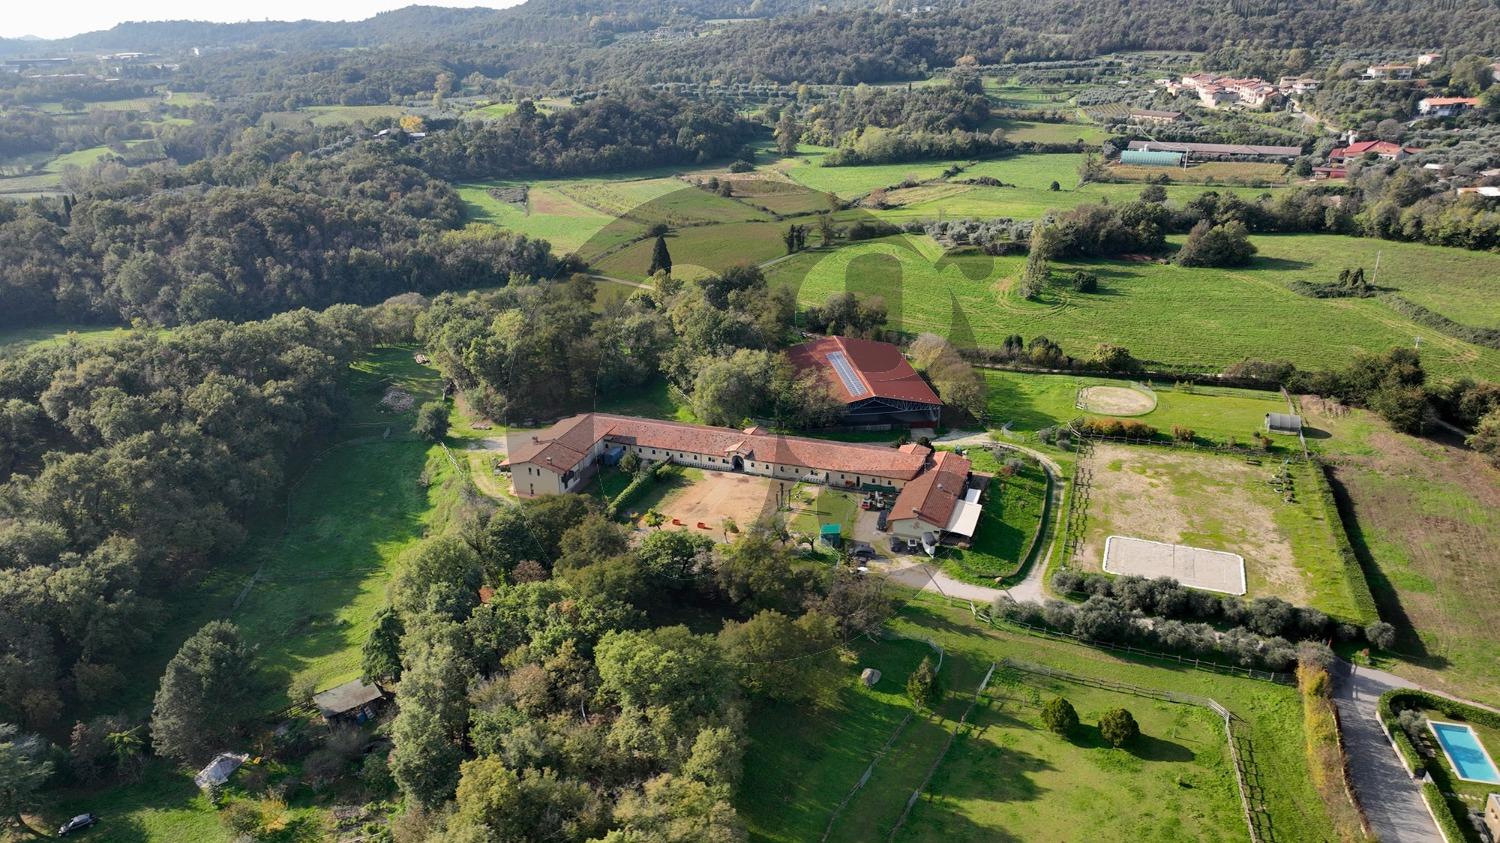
[
  {"x": 880, "y": 366},
  {"x": 1376, "y": 146},
  {"x": 566, "y": 444},
  {"x": 932, "y": 496},
  {"x": 1434, "y": 102}
]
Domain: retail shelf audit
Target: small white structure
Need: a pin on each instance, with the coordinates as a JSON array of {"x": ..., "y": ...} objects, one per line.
[
  {"x": 1284, "y": 423},
  {"x": 219, "y": 770},
  {"x": 869, "y": 676}
]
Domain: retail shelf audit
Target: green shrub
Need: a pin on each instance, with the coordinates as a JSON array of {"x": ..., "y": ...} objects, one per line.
[
  {"x": 1118, "y": 726},
  {"x": 1060, "y": 716}
]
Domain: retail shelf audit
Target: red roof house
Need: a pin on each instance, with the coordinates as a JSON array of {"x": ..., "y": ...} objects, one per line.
[
  {"x": 1385, "y": 149},
  {"x": 873, "y": 379}
]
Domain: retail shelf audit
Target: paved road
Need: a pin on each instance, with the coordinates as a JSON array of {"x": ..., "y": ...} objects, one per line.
[{"x": 1391, "y": 799}]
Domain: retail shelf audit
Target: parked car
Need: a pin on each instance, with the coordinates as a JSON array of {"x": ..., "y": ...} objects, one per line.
[
  {"x": 78, "y": 823},
  {"x": 861, "y": 550}
]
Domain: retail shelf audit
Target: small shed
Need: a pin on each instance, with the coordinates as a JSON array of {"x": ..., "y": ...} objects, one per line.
[
  {"x": 831, "y": 535},
  {"x": 353, "y": 700},
  {"x": 1284, "y": 423},
  {"x": 219, "y": 770},
  {"x": 1151, "y": 158}
]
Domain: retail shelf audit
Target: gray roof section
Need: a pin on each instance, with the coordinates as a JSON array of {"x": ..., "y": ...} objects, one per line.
[
  {"x": 346, "y": 697},
  {"x": 1217, "y": 148}
]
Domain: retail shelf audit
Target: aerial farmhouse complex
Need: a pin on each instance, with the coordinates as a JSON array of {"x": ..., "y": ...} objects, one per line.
[{"x": 936, "y": 495}]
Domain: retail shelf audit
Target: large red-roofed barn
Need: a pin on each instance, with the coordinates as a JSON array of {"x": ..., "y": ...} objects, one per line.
[{"x": 878, "y": 386}]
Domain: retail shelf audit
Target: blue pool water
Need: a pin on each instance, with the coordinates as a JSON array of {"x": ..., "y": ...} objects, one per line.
[{"x": 1469, "y": 759}]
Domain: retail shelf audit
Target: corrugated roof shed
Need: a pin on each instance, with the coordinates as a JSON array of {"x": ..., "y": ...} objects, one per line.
[{"x": 346, "y": 697}]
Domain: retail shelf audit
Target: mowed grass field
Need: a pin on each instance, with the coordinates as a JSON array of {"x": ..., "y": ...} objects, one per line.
[
  {"x": 13, "y": 340},
  {"x": 1013, "y": 509},
  {"x": 1423, "y": 520},
  {"x": 1010, "y": 780},
  {"x": 50, "y": 176},
  {"x": 1214, "y": 172},
  {"x": 1206, "y": 318}
]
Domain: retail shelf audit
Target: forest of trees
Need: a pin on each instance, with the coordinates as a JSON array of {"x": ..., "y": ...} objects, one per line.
[
  {"x": 543, "y": 351},
  {"x": 310, "y": 235},
  {"x": 609, "y": 133},
  {"x": 130, "y": 465}
]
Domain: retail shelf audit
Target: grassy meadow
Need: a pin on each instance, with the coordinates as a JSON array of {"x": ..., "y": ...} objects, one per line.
[
  {"x": 1421, "y": 516},
  {"x": 1178, "y": 316},
  {"x": 13, "y": 340},
  {"x": 1007, "y": 779}
]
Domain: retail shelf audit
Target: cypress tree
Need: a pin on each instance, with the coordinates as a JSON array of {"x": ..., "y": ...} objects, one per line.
[{"x": 661, "y": 259}]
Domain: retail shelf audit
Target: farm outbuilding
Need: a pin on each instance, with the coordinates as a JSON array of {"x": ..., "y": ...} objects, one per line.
[
  {"x": 1284, "y": 423},
  {"x": 353, "y": 700},
  {"x": 1151, "y": 158}
]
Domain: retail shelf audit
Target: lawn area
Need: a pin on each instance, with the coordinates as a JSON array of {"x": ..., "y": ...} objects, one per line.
[
  {"x": 700, "y": 251},
  {"x": 1203, "y": 318},
  {"x": 493, "y": 111},
  {"x": 1028, "y": 131},
  {"x": 549, "y": 215},
  {"x": 1422, "y": 520},
  {"x": 655, "y": 400},
  {"x": 851, "y": 182},
  {"x": 1013, "y": 508},
  {"x": 1028, "y": 402},
  {"x": 1175, "y": 782},
  {"x": 1224, "y": 503},
  {"x": 163, "y": 807},
  {"x": 826, "y": 506},
  {"x": 1010, "y": 781},
  {"x": 13, "y": 340}
]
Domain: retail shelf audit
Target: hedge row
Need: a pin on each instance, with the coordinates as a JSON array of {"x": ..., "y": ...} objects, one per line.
[
  {"x": 1354, "y": 573},
  {"x": 1447, "y": 823},
  {"x": 638, "y": 484}
]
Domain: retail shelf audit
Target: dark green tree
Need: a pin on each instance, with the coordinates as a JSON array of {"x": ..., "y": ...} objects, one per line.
[
  {"x": 204, "y": 695},
  {"x": 432, "y": 420},
  {"x": 661, "y": 259},
  {"x": 382, "y": 651},
  {"x": 924, "y": 687},
  {"x": 24, "y": 770}
]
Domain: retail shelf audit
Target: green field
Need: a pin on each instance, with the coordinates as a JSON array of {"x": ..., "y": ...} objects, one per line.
[
  {"x": 1224, "y": 503},
  {"x": 331, "y": 115},
  {"x": 1421, "y": 515},
  {"x": 1209, "y": 172},
  {"x": 1013, "y": 507},
  {"x": 1010, "y": 781},
  {"x": 1201, "y": 318},
  {"x": 13, "y": 340},
  {"x": 827, "y": 506},
  {"x": 50, "y": 177},
  {"x": 1027, "y": 403},
  {"x": 701, "y": 250},
  {"x": 1030, "y": 131}
]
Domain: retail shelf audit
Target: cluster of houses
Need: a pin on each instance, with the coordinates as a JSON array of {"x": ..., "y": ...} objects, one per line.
[
  {"x": 936, "y": 493},
  {"x": 1214, "y": 91}
]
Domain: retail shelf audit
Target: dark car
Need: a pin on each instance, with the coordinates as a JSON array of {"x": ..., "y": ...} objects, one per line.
[
  {"x": 862, "y": 551},
  {"x": 78, "y": 823}
]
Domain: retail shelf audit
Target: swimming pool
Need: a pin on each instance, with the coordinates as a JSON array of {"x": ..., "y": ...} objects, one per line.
[{"x": 1465, "y": 752}]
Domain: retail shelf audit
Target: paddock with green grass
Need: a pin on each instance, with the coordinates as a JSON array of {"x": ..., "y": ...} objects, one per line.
[
  {"x": 1006, "y": 778},
  {"x": 1014, "y": 506}
]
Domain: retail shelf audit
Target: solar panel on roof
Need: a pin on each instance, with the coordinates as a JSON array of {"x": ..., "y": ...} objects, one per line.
[{"x": 840, "y": 362}]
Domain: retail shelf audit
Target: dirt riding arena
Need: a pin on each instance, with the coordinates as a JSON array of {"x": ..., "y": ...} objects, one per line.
[
  {"x": 1208, "y": 501},
  {"x": 708, "y": 497},
  {"x": 1115, "y": 401},
  {"x": 1211, "y": 570}
]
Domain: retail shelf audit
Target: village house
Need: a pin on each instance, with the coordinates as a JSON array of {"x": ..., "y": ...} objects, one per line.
[
  {"x": 1384, "y": 150},
  {"x": 1388, "y": 71},
  {"x": 1213, "y": 91},
  {"x": 877, "y": 386},
  {"x": 1446, "y": 106},
  {"x": 1147, "y": 115}
]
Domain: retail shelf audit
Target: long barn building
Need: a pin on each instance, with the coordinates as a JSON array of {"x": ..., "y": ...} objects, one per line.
[{"x": 933, "y": 489}]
